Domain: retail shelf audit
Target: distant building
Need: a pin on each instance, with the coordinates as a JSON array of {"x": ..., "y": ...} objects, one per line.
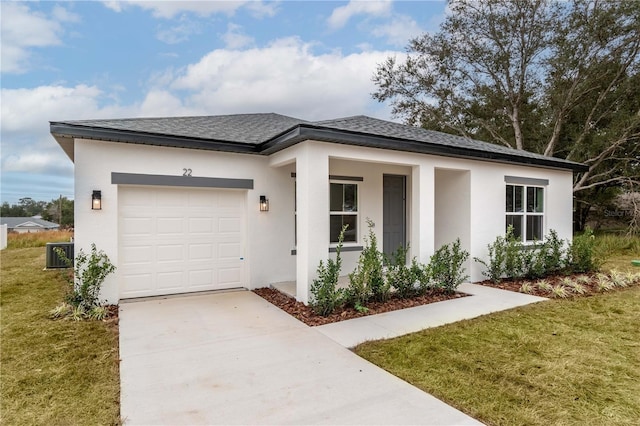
[{"x": 28, "y": 224}]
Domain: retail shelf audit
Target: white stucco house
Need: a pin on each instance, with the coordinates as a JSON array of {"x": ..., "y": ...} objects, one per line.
[{"x": 178, "y": 203}]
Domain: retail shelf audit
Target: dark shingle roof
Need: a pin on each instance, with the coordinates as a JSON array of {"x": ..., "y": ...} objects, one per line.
[
  {"x": 15, "y": 222},
  {"x": 240, "y": 128},
  {"x": 268, "y": 133}
]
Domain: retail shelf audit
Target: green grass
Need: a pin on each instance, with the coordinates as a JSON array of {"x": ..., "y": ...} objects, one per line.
[
  {"x": 570, "y": 362},
  {"x": 52, "y": 372},
  {"x": 618, "y": 251}
]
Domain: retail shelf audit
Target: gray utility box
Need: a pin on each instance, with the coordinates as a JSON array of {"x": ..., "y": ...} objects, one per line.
[{"x": 53, "y": 260}]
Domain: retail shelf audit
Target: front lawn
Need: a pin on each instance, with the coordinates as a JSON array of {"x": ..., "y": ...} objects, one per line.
[
  {"x": 559, "y": 362},
  {"x": 53, "y": 372}
]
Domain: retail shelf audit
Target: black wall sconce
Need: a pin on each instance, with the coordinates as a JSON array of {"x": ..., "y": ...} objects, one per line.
[
  {"x": 264, "y": 203},
  {"x": 96, "y": 200}
]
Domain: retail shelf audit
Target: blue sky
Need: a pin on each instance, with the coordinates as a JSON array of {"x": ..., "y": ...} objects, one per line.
[{"x": 80, "y": 60}]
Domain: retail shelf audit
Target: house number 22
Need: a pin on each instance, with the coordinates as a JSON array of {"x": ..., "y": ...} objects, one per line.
[{"x": 186, "y": 172}]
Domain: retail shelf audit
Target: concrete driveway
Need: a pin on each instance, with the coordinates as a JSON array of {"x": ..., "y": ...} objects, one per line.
[{"x": 233, "y": 358}]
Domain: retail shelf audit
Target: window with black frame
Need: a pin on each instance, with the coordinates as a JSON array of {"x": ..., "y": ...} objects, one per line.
[
  {"x": 525, "y": 211},
  {"x": 343, "y": 210}
]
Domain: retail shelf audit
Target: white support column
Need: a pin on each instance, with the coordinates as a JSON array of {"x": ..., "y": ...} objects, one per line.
[
  {"x": 312, "y": 192},
  {"x": 422, "y": 212}
]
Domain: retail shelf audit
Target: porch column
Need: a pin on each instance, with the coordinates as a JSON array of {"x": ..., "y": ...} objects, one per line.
[
  {"x": 312, "y": 192},
  {"x": 422, "y": 212}
]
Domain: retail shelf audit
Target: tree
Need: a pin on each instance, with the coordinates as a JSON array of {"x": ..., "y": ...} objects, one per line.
[
  {"x": 557, "y": 78},
  {"x": 59, "y": 206}
]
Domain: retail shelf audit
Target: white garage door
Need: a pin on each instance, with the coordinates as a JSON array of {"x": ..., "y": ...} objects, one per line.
[{"x": 179, "y": 240}]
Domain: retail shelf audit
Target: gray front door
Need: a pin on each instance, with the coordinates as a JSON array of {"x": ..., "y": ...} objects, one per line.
[{"x": 394, "y": 213}]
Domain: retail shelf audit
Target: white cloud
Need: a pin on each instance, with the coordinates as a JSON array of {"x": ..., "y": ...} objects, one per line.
[
  {"x": 180, "y": 32},
  {"x": 399, "y": 30},
  {"x": 284, "y": 77},
  {"x": 61, "y": 14},
  {"x": 235, "y": 38},
  {"x": 23, "y": 29},
  {"x": 169, "y": 9},
  {"x": 341, "y": 15},
  {"x": 27, "y": 145}
]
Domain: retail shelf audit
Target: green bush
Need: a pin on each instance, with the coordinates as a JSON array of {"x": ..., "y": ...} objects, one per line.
[
  {"x": 582, "y": 253},
  {"x": 367, "y": 280},
  {"x": 512, "y": 255},
  {"x": 400, "y": 276},
  {"x": 89, "y": 272},
  {"x": 554, "y": 253},
  {"x": 494, "y": 269},
  {"x": 533, "y": 260},
  {"x": 326, "y": 297},
  {"x": 446, "y": 268}
]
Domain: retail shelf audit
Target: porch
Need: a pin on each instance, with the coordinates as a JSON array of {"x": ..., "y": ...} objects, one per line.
[{"x": 408, "y": 199}]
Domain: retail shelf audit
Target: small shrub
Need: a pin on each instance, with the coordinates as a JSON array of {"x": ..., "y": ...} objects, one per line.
[
  {"x": 533, "y": 260},
  {"x": 98, "y": 313},
  {"x": 325, "y": 294},
  {"x": 618, "y": 279},
  {"x": 446, "y": 266},
  {"x": 582, "y": 253},
  {"x": 526, "y": 288},
  {"x": 553, "y": 253},
  {"x": 583, "y": 279},
  {"x": 545, "y": 286},
  {"x": 89, "y": 272},
  {"x": 559, "y": 291},
  {"x": 603, "y": 283},
  {"x": 494, "y": 269},
  {"x": 633, "y": 278},
  {"x": 400, "y": 276},
  {"x": 63, "y": 310},
  {"x": 512, "y": 255},
  {"x": 574, "y": 286},
  {"x": 367, "y": 280}
]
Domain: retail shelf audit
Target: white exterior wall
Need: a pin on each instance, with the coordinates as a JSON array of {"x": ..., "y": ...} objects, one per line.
[
  {"x": 3, "y": 237},
  {"x": 270, "y": 235}
]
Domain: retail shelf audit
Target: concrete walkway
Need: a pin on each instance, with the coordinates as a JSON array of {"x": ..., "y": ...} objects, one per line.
[
  {"x": 484, "y": 300},
  {"x": 233, "y": 358}
]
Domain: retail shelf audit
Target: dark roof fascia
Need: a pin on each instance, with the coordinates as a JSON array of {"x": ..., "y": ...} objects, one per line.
[
  {"x": 302, "y": 132},
  {"x": 144, "y": 138},
  {"x": 305, "y": 132}
]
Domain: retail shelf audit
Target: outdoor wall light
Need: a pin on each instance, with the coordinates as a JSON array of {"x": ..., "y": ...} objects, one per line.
[
  {"x": 96, "y": 200},
  {"x": 264, "y": 203}
]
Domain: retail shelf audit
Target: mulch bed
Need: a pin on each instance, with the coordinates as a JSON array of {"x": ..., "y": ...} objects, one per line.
[
  {"x": 514, "y": 284},
  {"x": 305, "y": 314}
]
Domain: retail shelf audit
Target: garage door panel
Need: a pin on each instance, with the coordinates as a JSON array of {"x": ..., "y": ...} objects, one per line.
[
  {"x": 229, "y": 224},
  {"x": 231, "y": 199},
  {"x": 138, "y": 283},
  {"x": 203, "y": 199},
  {"x": 172, "y": 198},
  {"x": 137, "y": 255},
  {"x": 136, "y": 226},
  {"x": 180, "y": 240},
  {"x": 201, "y": 252},
  {"x": 170, "y": 280},
  {"x": 228, "y": 251},
  {"x": 200, "y": 225},
  {"x": 201, "y": 278},
  {"x": 170, "y": 253},
  {"x": 170, "y": 226}
]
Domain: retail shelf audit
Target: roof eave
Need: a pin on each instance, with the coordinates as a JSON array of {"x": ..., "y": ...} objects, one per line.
[
  {"x": 309, "y": 132},
  {"x": 65, "y": 130}
]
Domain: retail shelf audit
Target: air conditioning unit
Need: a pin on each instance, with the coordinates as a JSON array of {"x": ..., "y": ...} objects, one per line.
[{"x": 55, "y": 261}]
